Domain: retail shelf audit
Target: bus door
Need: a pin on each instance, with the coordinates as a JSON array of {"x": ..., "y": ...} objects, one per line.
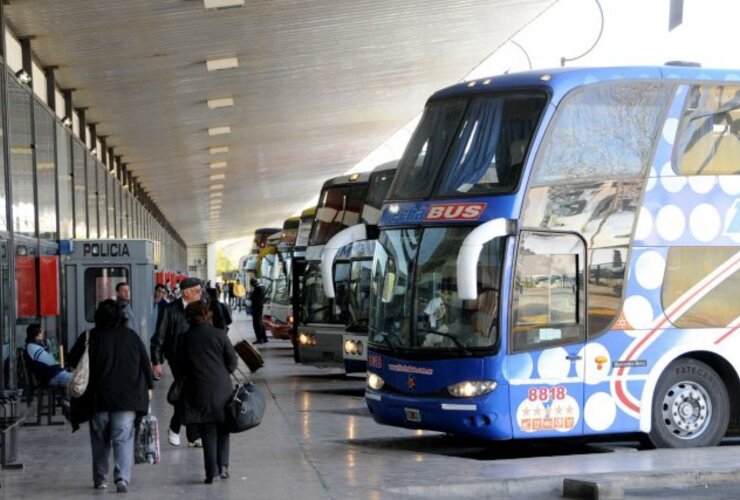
[{"x": 546, "y": 366}]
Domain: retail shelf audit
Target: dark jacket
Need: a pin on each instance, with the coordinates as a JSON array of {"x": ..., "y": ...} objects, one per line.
[
  {"x": 221, "y": 316},
  {"x": 206, "y": 358},
  {"x": 120, "y": 374},
  {"x": 171, "y": 323},
  {"x": 258, "y": 298}
]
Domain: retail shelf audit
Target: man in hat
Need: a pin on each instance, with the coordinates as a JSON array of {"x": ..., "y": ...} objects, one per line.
[{"x": 172, "y": 323}]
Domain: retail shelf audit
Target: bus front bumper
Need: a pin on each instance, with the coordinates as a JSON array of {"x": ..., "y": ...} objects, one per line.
[{"x": 485, "y": 416}]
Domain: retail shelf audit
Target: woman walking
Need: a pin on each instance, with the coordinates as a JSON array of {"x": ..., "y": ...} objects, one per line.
[
  {"x": 119, "y": 388},
  {"x": 207, "y": 358}
]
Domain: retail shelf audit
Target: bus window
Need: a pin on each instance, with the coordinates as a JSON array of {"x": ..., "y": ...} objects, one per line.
[
  {"x": 100, "y": 285},
  {"x": 490, "y": 147},
  {"x": 605, "y": 285},
  {"x": 601, "y": 132},
  {"x": 425, "y": 152},
  {"x": 709, "y": 137},
  {"x": 686, "y": 268},
  {"x": 548, "y": 291}
]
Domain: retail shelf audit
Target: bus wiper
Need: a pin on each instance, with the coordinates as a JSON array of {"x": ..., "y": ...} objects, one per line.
[
  {"x": 449, "y": 336},
  {"x": 386, "y": 339}
]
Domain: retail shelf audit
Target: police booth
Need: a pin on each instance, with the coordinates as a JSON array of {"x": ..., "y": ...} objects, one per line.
[{"x": 93, "y": 268}]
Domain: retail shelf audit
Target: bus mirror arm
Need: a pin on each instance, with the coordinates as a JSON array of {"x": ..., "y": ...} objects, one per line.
[
  {"x": 332, "y": 247},
  {"x": 472, "y": 245}
]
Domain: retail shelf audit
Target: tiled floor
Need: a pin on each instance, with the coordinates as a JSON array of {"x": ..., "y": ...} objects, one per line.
[{"x": 317, "y": 440}]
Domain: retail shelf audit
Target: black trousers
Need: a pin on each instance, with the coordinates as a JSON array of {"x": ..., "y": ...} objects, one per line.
[
  {"x": 191, "y": 430},
  {"x": 215, "y": 447},
  {"x": 259, "y": 326}
]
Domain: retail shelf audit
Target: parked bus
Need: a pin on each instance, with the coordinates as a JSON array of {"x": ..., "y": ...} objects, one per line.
[
  {"x": 559, "y": 256},
  {"x": 348, "y": 274},
  {"x": 276, "y": 315},
  {"x": 339, "y": 207}
]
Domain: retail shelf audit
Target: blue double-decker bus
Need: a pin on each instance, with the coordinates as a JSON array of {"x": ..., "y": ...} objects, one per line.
[{"x": 559, "y": 256}]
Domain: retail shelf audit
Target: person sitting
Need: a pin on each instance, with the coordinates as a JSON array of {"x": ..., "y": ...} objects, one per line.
[{"x": 43, "y": 365}]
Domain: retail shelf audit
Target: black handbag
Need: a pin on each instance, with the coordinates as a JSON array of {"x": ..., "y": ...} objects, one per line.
[
  {"x": 174, "y": 394},
  {"x": 245, "y": 408}
]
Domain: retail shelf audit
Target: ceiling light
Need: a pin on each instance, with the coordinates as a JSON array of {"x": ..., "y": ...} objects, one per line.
[
  {"x": 222, "y": 63},
  {"x": 67, "y": 121},
  {"x": 215, "y": 187},
  {"x": 219, "y": 130},
  {"x": 22, "y": 76},
  {"x": 222, "y": 4},
  {"x": 222, "y": 102},
  {"x": 218, "y": 149},
  {"x": 218, "y": 164},
  {"x": 216, "y": 194},
  {"x": 218, "y": 177}
]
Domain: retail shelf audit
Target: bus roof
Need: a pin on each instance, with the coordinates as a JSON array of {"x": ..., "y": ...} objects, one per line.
[
  {"x": 350, "y": 179},
  {"x": 559, "y": 81}
]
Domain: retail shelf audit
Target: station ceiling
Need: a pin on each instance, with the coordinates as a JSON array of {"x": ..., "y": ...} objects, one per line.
[{"x": 319, "y": 85}]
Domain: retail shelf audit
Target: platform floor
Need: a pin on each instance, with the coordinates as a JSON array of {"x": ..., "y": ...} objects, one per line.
[{"x": 317, "y": 441}]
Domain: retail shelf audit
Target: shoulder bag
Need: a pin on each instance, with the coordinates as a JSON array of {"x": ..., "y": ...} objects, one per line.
[
  {"x": 245, "y": 408},
  {"x": 77, "y": 384}
]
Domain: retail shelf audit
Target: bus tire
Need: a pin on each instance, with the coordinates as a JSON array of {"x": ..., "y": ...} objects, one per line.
[{"x": 690, "y": 406}]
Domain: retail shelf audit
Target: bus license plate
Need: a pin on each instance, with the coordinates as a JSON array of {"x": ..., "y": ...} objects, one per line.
[{"x": 412, "y": 415}]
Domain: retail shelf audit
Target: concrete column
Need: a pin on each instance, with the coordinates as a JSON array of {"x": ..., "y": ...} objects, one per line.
[{"x": 211, "y": 262}]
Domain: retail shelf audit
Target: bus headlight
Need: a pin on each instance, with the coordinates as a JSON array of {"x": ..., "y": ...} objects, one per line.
[
  {"x": 374, "y": 381},
  {"x": 350, "y": 347},
  {"x": 360, "y": 347},
  {"x": 289, "y": 319},
  {"x": 471, "y": 388}
]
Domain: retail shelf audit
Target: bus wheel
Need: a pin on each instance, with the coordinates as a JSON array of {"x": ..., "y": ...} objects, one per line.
[{"x": 690, "y": 406}]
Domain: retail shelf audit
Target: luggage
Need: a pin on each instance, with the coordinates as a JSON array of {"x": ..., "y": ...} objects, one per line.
[
  {"x": 245, "y": 408},
  {"x": 146, "y": 447},
  {"x": 250, "y": 355}
]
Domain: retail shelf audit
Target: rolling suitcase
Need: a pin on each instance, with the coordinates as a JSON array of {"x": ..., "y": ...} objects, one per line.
[
  {"x": 250, "y": 355},
  {"x": 146, "y": 443}
]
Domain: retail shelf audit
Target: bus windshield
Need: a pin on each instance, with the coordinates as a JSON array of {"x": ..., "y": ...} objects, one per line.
[
  {"x": 359, "y": 295},
  {"x": 282, "y": 278},
  {"x": 338, "y": 208},
  {"x": 479, "y": 142},
  {"x": 414, "y": 301}
]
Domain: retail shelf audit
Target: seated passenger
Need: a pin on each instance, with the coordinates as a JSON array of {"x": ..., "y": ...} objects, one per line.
[{"x": 43, "y": 364}]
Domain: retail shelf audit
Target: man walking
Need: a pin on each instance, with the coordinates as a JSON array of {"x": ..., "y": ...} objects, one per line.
[
  {"x": 239, "y": 293},
  {"x": 170, "y": 325},
  {"x": 258, "y": 301},
  {"x": 123, "y": 297}
]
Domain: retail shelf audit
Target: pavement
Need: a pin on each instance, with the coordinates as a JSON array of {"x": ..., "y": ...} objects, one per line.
[{"x": 317, "y": 441}]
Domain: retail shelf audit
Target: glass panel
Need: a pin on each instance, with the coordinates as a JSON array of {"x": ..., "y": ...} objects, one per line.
[
  {"x": 359, "y": 295},
  {"x": 316, "y": 306},
  {"x": 26, "y": 289},
  {"x": 602, "y": 132},
  {"x": 45, "y": 173},
  {"x": 425, "y": 152},
  {"x": 64, "y": 181},
  {"x": 3, "y": 188},
  {"x": 78, "y": 157},
  {"x": 341, "y": 291},
  {"x": 605, "y": 286},
  {"x": 686, "y": 268},
  {"x": 119, "y": 209},
  {"x": 443, "y": 320},
  {"x": 548, "y": 291},
  {"x": 338, "y": 208},
  {"x": 21, "y": 159},
  {"x": 489, "y": 149},
  {"x": 390, "y": 298},
  {"x": 100, "y": 284},
  {"x": 709, "y": 137},
  {"x": 111, "y": 194},
  {"x": 102, "y": 200},
  {"x": 92, "y": 196}
]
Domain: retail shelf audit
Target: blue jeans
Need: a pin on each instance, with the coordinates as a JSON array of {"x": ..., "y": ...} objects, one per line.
[
  {"x": 61, "y": 379},
  {"x": 116, "y": 428}
]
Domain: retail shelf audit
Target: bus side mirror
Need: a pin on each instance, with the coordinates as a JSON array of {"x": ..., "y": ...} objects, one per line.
[
  {"x": 389, "y": 283},
  {"x": 332, "y": 247},
  {"x": 472, "y": 245}
]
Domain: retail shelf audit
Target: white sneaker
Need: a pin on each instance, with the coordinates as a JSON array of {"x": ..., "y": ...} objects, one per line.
[
  {"x": 174, "y": 438},
  {"x": 195, "y": 444}
]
